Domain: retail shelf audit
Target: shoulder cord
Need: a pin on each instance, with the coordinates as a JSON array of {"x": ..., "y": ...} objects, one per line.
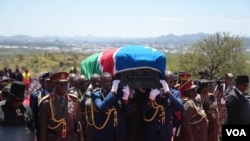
[
  {"x": 80, "y": 93},
  {"x": 87, "y": 112},
  {"x": 108, "y": 113},
  {"x": 157, "y": 107},
  {"x": 60, "y": 121},
  {"x": 202, "y": 114}
]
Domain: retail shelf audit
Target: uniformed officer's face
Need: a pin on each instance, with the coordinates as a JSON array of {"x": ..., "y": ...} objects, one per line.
[
  {"x": 49, "y": 85},
  {"x": 192, "y": 93},
  {"x": 170, "y": 80},
  {"x": 83, "y": 84},
  {"x": 61, "y": 88},
  {"x": 96, "y": 82},
  {"x": 107, "y": 83}
]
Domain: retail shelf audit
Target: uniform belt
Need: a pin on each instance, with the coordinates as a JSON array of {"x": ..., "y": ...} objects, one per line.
[{"x": 59, "y": 133}]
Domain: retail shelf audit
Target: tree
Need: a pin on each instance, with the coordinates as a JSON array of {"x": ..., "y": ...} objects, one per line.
[{"x": 219, "y": 54}]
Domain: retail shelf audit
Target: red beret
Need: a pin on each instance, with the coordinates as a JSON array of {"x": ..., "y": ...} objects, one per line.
[
  {"x": 185, "y": 76},
  {"x": 59, "y": 76}
]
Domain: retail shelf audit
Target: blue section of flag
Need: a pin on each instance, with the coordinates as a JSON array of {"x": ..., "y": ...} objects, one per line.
[{"x": 139, "y": 56}]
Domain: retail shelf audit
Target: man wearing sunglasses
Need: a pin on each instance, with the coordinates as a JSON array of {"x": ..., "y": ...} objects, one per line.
[
  {"x": 16, "y": 118},
  {"x": 59, "y": 113}
]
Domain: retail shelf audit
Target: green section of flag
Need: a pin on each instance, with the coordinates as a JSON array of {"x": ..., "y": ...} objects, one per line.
[{"x": 90, "y": 65}]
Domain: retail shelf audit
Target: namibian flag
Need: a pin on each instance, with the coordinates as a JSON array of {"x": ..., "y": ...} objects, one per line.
[{"x": 125, "y": 58}]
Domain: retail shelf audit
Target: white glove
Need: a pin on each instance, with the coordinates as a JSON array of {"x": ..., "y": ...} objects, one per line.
[
  {"x": 115, "y": 84},
  {"x": 126, "y": 92},
  {"x": 154, "y": 93},
  {"x": 164, "y": 85},
  {"x": 173, "y": 131}
]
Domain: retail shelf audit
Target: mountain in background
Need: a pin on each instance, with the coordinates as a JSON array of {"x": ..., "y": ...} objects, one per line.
[{"x": 62, "y": 41}]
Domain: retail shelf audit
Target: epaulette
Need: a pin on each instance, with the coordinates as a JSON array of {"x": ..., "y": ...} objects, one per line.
[
  {"x": 38, "y": 90},
  {"x": 185, "y": 99},
  {"x": 177, "y": 86},
  {"x": 72, "y": 90},
  {"x": 88, "y": 92},
  {"x": 96, "y": 89},
  {"x": 198, "y": 97}
]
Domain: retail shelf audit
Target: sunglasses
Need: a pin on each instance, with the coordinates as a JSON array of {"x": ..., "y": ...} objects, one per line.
[{"x": 48, "y": 81}]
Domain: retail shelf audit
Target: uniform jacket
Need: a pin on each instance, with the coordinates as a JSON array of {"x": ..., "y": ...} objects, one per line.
[
  {"x": 194, "y": 125},
  {"x": 112, "y": 125},
  {"x": 16, "y": 124},
  {"x": 36, "y": 98},
  {"x": 53, "y": 120},
  {"x": 238, "y": 108},
  {"x": 163, "y": 120},
  {"x": 85, "y": 104},
  {"x": 75, "y": 92}
]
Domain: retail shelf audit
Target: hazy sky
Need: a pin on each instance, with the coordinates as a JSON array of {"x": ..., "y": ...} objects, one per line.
[{"x": 123, "y": 18}]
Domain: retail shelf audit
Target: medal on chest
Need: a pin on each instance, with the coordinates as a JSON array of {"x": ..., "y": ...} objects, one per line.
[
  {"x": 72, "y": 109},
  {"x": 18, "y": 112}
]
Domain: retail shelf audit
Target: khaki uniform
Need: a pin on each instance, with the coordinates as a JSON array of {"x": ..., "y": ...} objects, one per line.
[
  {"x": 58, "y": 124},
  {"x": 194, "y": 122}
]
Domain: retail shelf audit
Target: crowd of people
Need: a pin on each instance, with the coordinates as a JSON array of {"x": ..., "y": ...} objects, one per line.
[{"x": 68, "y": 106}]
